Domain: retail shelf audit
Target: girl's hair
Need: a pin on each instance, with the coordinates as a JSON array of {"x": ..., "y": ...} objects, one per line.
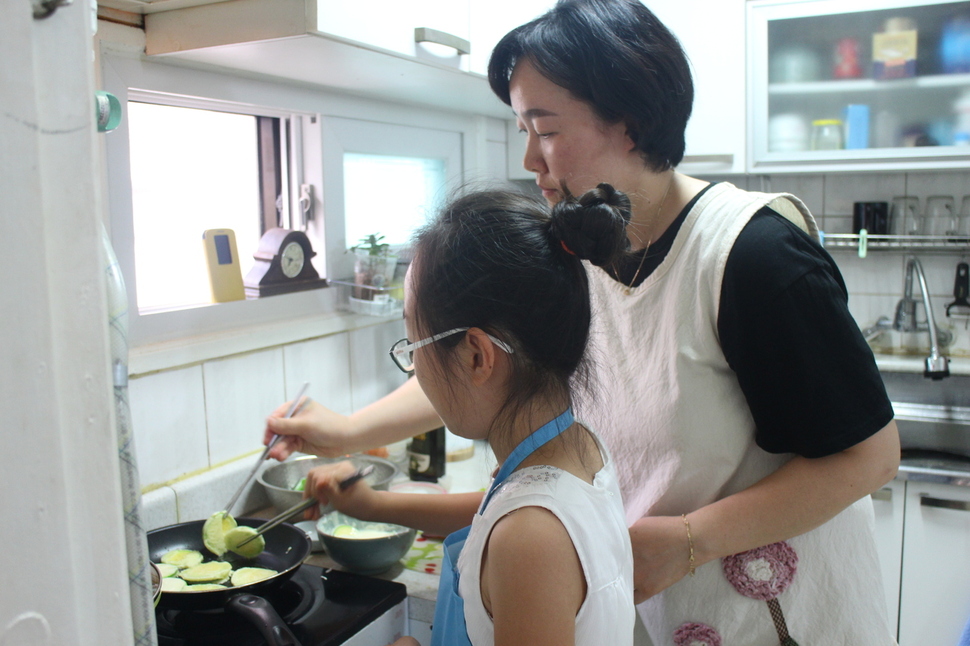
[
  {"x": 617, "y": 57},
  {"x": 502, "y": 262}
]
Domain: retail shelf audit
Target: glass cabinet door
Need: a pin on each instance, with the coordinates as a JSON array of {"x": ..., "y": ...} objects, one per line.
[{"x": 858, "y": 84}]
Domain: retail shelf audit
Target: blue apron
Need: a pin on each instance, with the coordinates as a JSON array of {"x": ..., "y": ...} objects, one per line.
[{"x": 448, "y": 628}]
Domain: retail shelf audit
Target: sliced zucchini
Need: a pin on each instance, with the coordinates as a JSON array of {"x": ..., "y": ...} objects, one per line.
[
  {"x": 211, "y": 572},
  {"x": 252, "y": 549},
  {"x": 301, "y": 485},
  {"x": 203, "y": 587},
  {"x": 173, "y": 584},
  {"x": 247, "y": 575},
  {"x": 182, "y": 558},
  {"x": 214, "y": 532},
  {"x": 167, "y": 570}
]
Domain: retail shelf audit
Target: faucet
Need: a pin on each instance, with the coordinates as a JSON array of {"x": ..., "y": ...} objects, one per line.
[{"x": 937, "y": 365}]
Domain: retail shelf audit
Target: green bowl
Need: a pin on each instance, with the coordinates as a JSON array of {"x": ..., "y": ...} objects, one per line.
[{"x": 365, "y": 555}]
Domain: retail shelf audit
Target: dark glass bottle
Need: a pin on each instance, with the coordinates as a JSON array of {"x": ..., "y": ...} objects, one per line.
[{"x": 426, "y": 456}]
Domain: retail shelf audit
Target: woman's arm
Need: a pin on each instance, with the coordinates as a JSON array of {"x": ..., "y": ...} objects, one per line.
[
  {"x": 532, "y": 580},
  {"x": 798, "y": 497},
  {"x": 316, "y": 429}
]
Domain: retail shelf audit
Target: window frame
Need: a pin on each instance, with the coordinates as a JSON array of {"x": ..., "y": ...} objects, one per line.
[{"x": 165, "y": 340}]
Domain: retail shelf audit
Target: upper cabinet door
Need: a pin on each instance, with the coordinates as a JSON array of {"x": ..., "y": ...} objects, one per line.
[
  {"x": 391, "y": 24},
  {"x": 712, "y": 34},
  {"x": 858, "y": 84},
  {"x": 489, "y": 23}
]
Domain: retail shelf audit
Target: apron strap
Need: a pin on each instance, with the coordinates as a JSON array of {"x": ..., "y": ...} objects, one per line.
[{"x": 526, "y": 447}]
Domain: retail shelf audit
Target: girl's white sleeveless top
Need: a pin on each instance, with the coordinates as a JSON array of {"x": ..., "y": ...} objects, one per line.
[{"x": 593, "y": 516}]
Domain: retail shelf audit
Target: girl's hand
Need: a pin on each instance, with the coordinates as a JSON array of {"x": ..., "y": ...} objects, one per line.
[
  {"x": 314, "y": 429},
  {"x": 323, "y": 483}
]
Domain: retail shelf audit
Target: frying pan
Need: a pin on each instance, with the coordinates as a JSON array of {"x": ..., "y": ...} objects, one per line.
[{"x": 286, "y": 548}]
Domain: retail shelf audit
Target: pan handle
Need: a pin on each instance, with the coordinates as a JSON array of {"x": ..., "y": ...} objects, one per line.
[{"x": 259, "y": 611}]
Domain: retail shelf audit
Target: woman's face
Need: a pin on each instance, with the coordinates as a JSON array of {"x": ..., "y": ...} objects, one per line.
[{"x": 566, "y": 141}]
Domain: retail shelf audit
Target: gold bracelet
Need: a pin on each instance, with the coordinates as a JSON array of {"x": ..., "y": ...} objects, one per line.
[{"x": 690, "y": 544}]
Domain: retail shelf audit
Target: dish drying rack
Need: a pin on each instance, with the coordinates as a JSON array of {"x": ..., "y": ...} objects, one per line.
[{"x": 370, "y": 300}]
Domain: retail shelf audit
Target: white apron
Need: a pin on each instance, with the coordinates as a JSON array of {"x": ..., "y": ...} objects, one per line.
[{"x": 682, "y": 436}]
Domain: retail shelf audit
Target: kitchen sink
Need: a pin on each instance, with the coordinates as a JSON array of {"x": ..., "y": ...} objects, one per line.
[{"x": 933, "y": 416}]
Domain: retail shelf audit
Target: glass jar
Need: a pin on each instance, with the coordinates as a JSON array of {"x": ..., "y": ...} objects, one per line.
[{"x": 827, "y": 134}]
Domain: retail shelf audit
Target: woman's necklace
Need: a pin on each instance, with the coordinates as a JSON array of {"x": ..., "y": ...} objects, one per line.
[{"x": 629, "y": 287}]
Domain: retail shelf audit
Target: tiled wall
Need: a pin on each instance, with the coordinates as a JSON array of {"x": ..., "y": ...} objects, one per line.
[
  {"x": 875, "y": 283},
  {"x": 201, "y": 420}
]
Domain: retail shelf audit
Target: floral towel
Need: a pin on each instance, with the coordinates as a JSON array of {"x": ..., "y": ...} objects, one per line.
[{"x": 425, "y": 555}]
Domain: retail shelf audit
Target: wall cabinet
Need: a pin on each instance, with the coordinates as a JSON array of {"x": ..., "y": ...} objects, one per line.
[
  {"x": 716, "y": 130},
  {"x": 888, "y": 81},
  {"x": 366, "y": 49},
  {"x": 923, "y": 540}
]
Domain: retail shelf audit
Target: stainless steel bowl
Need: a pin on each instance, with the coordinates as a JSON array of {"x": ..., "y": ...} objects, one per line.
[{"x": 279, "y": 479}]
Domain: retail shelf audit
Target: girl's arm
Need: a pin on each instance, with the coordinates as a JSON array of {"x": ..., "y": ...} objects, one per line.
[
  {"x": 437, "y": 514},
  {"x": 798, "y": 497},
  {"x": 532, "y": 580}
]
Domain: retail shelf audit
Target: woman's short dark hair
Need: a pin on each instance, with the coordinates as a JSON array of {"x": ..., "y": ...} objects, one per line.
[
  {"x": 616, "y": 56},
  {"x": 504, "y": 262}
]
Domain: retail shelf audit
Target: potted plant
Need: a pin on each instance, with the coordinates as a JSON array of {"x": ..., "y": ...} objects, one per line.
[{"x": 374, "y": 266}]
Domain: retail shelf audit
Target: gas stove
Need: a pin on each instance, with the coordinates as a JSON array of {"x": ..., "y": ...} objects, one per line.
[{"x": 321, "y": 607}]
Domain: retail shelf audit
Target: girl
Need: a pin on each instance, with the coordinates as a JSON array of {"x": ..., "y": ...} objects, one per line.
[{"x": 497, "y": 311}]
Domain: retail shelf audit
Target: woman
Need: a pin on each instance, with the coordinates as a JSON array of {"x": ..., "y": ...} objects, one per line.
[
  {"x": 746, "y": 415},
  {"x": 547, "y": 558}
]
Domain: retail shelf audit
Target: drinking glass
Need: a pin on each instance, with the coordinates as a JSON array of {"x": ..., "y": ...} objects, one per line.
[
  {"x": 963, "y": 222},
  {"x": 904, "y": 216},
  {"x": 941, "y": 216}
]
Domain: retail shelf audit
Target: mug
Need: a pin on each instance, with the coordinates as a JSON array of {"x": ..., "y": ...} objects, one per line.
[
  {"x": 904, "y": 217},
  {"x": 871, "y": 216}
]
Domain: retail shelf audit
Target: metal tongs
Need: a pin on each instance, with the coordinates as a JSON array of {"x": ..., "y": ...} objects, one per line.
[
  {"x": 294, "y": 407},
  {"x": 305, "y": 504}
]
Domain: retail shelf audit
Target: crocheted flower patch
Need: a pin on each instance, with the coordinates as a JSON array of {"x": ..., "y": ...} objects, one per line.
[{"x": 763, "y": 574}]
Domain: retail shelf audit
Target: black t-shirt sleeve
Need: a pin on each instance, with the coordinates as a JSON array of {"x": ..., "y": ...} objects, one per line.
[{"x": 806, "y": 371}]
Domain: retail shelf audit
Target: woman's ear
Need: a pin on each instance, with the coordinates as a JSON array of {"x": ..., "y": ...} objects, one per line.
[{"x": 478, "y": 355}]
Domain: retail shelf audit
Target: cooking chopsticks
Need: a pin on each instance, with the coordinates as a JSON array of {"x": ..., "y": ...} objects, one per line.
[
  {"x": 294, "y": 407},
  {"x": 305, "y": 504}
]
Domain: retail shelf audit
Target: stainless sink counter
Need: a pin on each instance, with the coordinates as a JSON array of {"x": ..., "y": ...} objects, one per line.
[{"x": 928, "y": 466}]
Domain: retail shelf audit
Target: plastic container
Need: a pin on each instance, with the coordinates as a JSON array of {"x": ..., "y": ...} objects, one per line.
[
  {"x": 788, "y": 132},
  {"x": 827, "y": 134}
]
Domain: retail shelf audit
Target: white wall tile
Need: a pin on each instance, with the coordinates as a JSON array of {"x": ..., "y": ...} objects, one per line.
[
  {"x": 199, "y": 497},
  {"x": 810, "y": 189},
  {"x": 922, "y": 185},
  {"x": 168, "y": 420},
  {"x": 158, "y": 508},
  {"x": 325, "y": 364},
  {"x": 240, "y": 392},
  {"x": 842, "y": 189},
  {"x": 372, "y": 372}
]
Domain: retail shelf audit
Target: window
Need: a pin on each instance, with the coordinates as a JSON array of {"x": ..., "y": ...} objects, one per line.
[
  {"x": 193, "y": 170},
  {"x": 413, "y": 184}
]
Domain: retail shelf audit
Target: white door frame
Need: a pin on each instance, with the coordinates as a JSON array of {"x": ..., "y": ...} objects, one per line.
[{"x": 62, "y": 546}]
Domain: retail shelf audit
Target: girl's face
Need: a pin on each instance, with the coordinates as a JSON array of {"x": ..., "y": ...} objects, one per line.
[
  {"x": 566, "y": 141},
  {"x": 427, "y": 370}
]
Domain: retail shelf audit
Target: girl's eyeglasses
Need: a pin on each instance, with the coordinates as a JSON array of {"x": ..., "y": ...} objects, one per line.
[{"x": 402, "y": 352}]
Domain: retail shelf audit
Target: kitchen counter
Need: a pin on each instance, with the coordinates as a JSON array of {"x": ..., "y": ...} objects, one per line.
[{"x": 927, "y": 466}]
